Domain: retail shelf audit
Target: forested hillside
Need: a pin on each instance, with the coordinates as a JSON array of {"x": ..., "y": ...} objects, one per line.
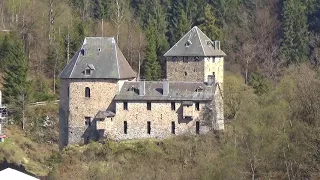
[{"x": 271, "y": 93}]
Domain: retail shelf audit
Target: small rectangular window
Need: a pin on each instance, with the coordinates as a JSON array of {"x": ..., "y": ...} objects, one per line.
[
  {"x": 125, "y": 127},
  {"x": 149, "y": 106},
  {"x": 173, "y": 127},
  {"x": 87, "y": 121},
  {"x": 173, "y": 106},
  {"x": 87, "y": 71},
  {"x": 197, "y": 106},
  {"x": 125, "y": 106},
  {"x": 197, "y": 127},
  {"x": 185, "y": 59},
  {"x": 148, "y": 127}
]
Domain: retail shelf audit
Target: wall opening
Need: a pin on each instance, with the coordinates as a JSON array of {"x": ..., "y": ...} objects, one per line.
[
  {"x": 87, "y": 92},
  {"x": 148, "y": 127},
  {"x": 173, "y": 127},
  {"x": 185, "y": 73},
  {"x": 125, "y": 106},
  {"x": 125, "y": 127},
  {"x": 148, "y": 106},
  {"x": 173, "y": 106},
  {"x": 87, "y": 121},
  {"x": 185, "y": 59},
  {"x": 197, "y": 106},
  {"x": 197, "y": 127}
]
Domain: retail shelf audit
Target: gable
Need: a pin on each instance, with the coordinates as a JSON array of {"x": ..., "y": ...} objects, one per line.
[
  {"x": 103, "y": 57},
  {"x": 194, "y": 43}
]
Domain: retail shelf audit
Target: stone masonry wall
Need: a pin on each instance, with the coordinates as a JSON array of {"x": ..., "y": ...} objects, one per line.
[
  {"x": 63, "y": 113},
  {"x": 177, "y": 70},
  {"x": 161, "y": 117},
  {"x": 102, "y": 93},
  {"x": 214, "y": 65}
]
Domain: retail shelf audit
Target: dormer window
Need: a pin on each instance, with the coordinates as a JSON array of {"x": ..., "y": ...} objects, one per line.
[
  {"x": 89, "y": 69},
  {"x": 132, "y": 88},
  {"x": 188, "y": 43},
  {"x": 87, "y": 72},
  {"x": 209, "y": 43},
  {"x": 199, "y": 89}
]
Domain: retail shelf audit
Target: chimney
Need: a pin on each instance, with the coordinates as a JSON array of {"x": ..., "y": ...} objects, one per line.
[
  {"x": 165, "y": 87},
  {"x": 217, "y": 45},
  {"x": 142, "y": 87},
  {"x": 211, "y": 80}
]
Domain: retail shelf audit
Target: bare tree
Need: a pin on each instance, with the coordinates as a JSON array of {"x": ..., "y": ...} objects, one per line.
[
  {"x": 53, "y": 13},
  {"x": 118, "y": 15}
]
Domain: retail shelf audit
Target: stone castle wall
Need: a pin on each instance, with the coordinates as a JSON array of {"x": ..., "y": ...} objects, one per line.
[
  {"x": 102, "y": 93},
  {"x": 63, "y": 112},
  {"x": 213, "y": 65},
  {"x": 160, "y": 116},
  {"x": 190, "y": 70}
]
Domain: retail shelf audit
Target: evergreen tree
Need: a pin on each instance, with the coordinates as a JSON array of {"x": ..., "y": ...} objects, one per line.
[
  {"x": 209, "y": 26},
  {"x": 151, "y": 64},
  {"x": 15, "y": 81},
  {"x": 295, "y": 28},
  {"x": 4, "y": 48},
  {"x": 178, "y": 22}
]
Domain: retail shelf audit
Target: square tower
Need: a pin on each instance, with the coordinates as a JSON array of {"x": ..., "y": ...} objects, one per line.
[
  {"x": 89, "y": 83},
  {"x": 195, "y": 57}
]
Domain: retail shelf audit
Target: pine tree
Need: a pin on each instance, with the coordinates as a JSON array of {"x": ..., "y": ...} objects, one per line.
[
  {"x": 295, "y": 28},
  {"x": 209, "y": 26},
  {"x": 178, "y": 22},
  {"x": 151, "y": 65},
  {"x": 4, "y": 48},
  {"x": 15, "y": 81}
]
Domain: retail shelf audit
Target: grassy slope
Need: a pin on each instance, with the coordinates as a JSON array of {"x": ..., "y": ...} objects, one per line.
[
  {"x": 20, "y": 150},
  {"x": 175, "y": 158}
]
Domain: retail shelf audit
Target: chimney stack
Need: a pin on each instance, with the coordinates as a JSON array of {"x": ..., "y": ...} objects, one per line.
[
  {"x": 142, "y": 87},
  {"x": 217, "y": 45},
  {"x": 211, "y": 80},
  {"x": 165, "y": 87}
]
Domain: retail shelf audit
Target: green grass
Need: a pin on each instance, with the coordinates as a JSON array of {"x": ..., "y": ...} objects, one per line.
[{"x": 20, "y": 150}]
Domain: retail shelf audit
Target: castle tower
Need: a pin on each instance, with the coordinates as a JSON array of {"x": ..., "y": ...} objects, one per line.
[
  {"x": 197, "y": 58},
  {"x": 194, "y": 57},
  {"x": 87, "y": 87}
]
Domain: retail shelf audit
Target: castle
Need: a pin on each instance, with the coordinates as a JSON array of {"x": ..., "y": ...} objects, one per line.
[{"x": 100, "y": 95}]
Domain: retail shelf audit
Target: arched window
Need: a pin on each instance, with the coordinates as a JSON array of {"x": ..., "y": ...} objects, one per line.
[{"x": 87, "y": 92}]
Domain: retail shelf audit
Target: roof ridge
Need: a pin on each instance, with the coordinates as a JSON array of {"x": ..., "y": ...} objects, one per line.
[
  {"x": 116, "y": 49},
  {"x": 200, "y": 40},
  {"x": 179, "y": 40}
]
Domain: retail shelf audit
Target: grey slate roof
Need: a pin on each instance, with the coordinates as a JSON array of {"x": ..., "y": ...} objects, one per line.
[
  {"x": 104, "y": 114},
  {"x": 199, "y": 45},
  {"x": 103, "y": 57},
  {"x": 178, "y": 91}
]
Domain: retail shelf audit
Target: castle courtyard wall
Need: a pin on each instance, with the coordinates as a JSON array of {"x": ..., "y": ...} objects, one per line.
[{"x": 160, "y": 116}]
